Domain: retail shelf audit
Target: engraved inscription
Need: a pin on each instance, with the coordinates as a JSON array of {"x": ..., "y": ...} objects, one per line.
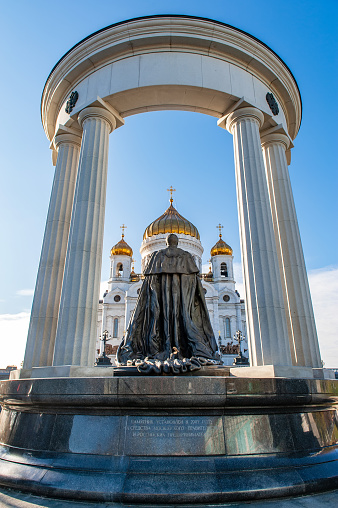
[
  {"x": 174, "y": 435},
  {"x": 169, "y": 427}
]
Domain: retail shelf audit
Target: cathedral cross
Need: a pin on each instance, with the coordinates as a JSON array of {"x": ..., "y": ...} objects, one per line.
[
  {"x": 220, "y": 227},
  {"x": 171, "y": 190},
  {"x": 123, "y": 227}
]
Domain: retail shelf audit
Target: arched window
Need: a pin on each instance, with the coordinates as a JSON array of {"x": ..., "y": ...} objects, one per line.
[
  {"x": 119, "y": 270},
  {"x": 116, "y": 328},
  {"x": 224, "y": 270},
  {"x": 227, "y": 328}
]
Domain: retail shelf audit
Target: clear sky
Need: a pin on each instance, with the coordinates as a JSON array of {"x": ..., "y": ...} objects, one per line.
[{"x": 155, "y": 150}]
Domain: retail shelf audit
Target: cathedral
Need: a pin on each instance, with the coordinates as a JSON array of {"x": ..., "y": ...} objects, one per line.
[{"x": 226, "y": 309}]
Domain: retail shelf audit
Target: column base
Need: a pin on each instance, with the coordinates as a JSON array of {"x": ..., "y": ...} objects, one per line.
[
  {"x": 323, "y": 373},
  {"x": 61, "y": 371},
  {"x": 291, "y": 372},
  {"x": 264, "y": 371},
  {"x": 77, "y": 371}
]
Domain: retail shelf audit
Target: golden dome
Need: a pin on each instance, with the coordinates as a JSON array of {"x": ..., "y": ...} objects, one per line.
[
  {"x": 121, "y": 249},
  {"x": 221, "y": 248},
  {"x": 171, "y": 222}
]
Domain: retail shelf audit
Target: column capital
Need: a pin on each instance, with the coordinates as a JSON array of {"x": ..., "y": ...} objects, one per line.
[
  {"x": 275, "y": 138},
  {"x": 244, "y": 113},
  {"x": 97, "y": 112},
  {"x": 66, "y": 138}
]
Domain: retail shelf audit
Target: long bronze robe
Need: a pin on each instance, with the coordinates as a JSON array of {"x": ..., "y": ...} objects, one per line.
[{"x": 170, "y": 312}]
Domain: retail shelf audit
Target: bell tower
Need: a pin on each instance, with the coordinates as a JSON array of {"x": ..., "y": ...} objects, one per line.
[
  {"x": 120, "y": 260},
  {"x": 222, "y": 260}
]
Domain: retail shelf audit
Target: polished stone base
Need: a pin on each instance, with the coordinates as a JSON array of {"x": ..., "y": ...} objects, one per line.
[
  {"x": 76, "y": 371},
  {"x": 169, "y": 440},
  {"x": 289, "y": 371},
  {"x": 17, "y": 499}
]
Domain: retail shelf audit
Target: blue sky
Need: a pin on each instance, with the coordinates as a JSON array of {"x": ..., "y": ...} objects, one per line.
[{"x": 155, "y": 150}]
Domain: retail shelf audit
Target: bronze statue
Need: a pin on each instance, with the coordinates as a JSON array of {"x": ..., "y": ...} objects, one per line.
[{"x": 170, "y": 330}]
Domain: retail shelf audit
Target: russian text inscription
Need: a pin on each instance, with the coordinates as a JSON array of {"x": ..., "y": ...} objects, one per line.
[{"x": 178, "y": 435}]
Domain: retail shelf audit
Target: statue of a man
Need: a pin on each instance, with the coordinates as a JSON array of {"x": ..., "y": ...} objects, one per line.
[{"x": 171, "y": 319}]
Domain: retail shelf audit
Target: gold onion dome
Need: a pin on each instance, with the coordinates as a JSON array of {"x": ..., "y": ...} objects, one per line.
[
  {"x": 121, "y": 249},
  {"x": 221, "y": 248},
  {"x": 171, "y": 222}
]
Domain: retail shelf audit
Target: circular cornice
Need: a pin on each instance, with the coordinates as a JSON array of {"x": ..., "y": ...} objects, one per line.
[{"x": 163, "y": 32}]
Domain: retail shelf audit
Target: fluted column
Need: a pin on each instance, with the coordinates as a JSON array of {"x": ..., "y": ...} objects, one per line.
[
  {"x": 46, "y": 302},
  {"x": 266, "y": 321},
  {"x": 297, "y": 300},
  {"x": 76, "y": 332}
]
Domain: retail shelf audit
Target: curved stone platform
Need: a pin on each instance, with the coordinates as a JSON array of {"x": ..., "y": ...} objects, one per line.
[{"x": 169, "y": 440}]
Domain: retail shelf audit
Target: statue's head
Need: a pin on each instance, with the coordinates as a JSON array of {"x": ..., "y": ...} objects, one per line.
[{"x": 172, "y": 240}]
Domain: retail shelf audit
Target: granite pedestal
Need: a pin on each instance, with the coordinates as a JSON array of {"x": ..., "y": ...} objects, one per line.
[{"x": 169, "y": 439}]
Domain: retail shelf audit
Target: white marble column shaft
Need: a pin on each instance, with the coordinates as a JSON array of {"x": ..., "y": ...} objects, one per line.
[
  {"x": 46, "y": 302},
  {"x": 297, "y": 300},
  {"x": 76, "y": 332},
  {"x": 266, "y": 321}
]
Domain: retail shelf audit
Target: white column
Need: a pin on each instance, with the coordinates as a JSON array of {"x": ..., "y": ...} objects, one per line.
[
  {"x": 45, "y": 308},
  {"x": 75, "y": 336},
  {"x": 297, "y": 300},
  {"x": 266, "y": 321}
]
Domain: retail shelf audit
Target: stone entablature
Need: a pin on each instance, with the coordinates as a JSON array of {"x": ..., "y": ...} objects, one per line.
[{"x": 205, "y": 59}]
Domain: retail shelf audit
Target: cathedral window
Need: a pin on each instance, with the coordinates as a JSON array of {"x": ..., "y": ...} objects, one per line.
[
  {"x": 115, "y": 328},
  {"x": 119, "y": 270},
  {"x": 227, "y": 327},
  {"x": 224, "y": 270}
]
